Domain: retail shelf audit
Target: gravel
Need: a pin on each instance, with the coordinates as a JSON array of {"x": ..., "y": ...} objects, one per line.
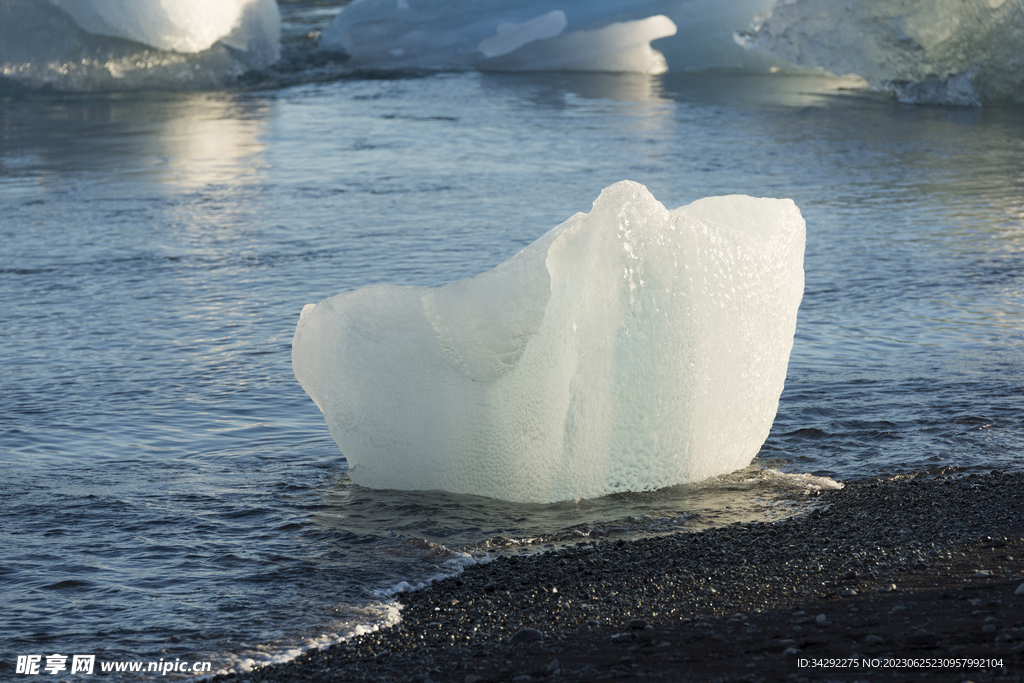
[{"x": 904, "y": 567}]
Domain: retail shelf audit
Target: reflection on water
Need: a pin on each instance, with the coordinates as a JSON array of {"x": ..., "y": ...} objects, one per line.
[
  {"x": 556, "y": 90},
  {"x": 215, "y": 140},
  {"x": 769, "y": 89},
  {"x": 187, "y": 140},
  {"x": 478, "y": 524}
]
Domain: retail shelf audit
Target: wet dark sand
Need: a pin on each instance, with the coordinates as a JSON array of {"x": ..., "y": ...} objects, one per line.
[{"x": 922, "y": 568}]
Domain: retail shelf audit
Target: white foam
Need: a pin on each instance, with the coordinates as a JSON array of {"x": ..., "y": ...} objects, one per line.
[
  {"x": 383, "y": 612},
  {"x": 359, "y": 619},
  {"x": 631, "y": 348},
  {"x": 928, "y": 51},
  {"x": 801, "y": 482},
  {"x": 449, "y": 568},
  {"x": 444, "y": 34}
]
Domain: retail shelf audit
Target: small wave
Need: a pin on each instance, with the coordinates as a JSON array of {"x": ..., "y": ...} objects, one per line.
[
  {"x": 449, "y": 569},
  {"x": 353, "y": 620},
  {"x": 69, "y": 583}
]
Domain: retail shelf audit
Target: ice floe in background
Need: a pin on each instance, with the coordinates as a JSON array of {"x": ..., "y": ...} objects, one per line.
[
  {"x": 131, "y": 44},
  {"x": 539, "y": 35},
  {"x": 926, "y": 51},
  {"x": 499, "y": 35},
  {"x": 628, "y": 349},
  {"x": 183, "y": 25}
]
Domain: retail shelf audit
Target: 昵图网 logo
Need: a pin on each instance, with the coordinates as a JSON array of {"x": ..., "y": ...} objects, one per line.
[{"x": 32, "y": 665}]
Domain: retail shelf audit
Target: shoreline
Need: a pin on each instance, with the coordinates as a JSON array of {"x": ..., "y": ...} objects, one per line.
[{"x": 920, "y": 567}]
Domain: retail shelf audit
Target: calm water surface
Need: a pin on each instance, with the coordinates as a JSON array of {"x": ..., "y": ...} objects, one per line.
[{"x": 168, "y": 489}]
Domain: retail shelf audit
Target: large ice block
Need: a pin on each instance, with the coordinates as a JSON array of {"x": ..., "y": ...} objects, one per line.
[
  {"x": 613, "y": 35},
  {"x": 544, "y": 35},
  {"x": 98, "y": 45},
  {"x": 631, "y": 348},
  {"x": 181, "y": 25},
  {"x": 926, "y": 51}
]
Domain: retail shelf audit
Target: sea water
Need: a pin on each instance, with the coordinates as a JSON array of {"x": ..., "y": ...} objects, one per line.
[{"x": 170, "y": 492}]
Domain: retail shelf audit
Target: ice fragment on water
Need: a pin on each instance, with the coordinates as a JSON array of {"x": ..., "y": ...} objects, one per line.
[{"x": 630, "y": 348}]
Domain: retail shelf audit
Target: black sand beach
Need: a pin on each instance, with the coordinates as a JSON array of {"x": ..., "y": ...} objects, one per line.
[{"x": 911, "y": 578}]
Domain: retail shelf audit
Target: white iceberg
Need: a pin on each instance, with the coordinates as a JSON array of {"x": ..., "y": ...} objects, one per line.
[
  {"x": 498, "y": 35},
  {"x": 631, "y": 348},
  {"x": 544, "y": 35},
  {"x": 182, "y": 25},
  {"x": 128, "y": 44},
  {"x": 927, "y": 51}
]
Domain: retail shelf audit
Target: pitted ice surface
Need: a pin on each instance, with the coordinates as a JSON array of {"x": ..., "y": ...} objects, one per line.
[{"x": 627, "y": 349}]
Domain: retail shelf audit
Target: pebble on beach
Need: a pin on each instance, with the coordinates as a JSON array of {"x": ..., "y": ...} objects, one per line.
[{"x": 645, "y": 607}]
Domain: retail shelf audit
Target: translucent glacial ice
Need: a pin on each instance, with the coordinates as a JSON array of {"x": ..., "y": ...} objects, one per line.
[
  {"x": 928, "y": 51},
  {"x": 122, "y": 44},
  {"x": 631, "y": 348},
  {"x": 528, "y": 36},
  {"x": 542, "y": 35},
  {"x": 180, "y": 25}
]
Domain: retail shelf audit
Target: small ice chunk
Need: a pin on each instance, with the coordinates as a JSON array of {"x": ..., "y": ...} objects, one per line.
[{"x": 628, "y": 349}]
